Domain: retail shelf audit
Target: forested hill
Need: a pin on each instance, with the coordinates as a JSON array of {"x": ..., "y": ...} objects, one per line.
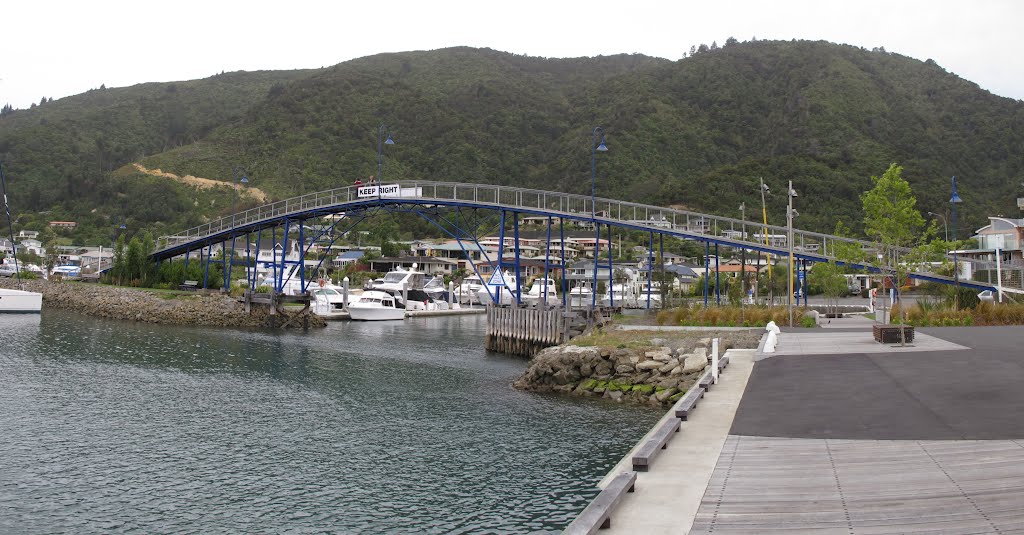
[{"x": 697, "y": 132}]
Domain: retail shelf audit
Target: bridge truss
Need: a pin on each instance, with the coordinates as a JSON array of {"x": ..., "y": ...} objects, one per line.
[{"x": 447, "y": 205}]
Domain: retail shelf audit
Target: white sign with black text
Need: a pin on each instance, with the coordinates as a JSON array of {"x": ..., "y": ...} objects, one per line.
[{"x": 387, "y": 190}]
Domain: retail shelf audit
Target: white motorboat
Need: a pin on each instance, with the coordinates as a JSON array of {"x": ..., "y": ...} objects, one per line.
[
  {"x": 438, "y": 294},
  {"x": 328, "y": 300},
  {"x": 537, "y": 292},
  {"x": 375, "y": 305},
  {"x": 16, "y": 300},
  {"x": 20, "y": 301},
  {"x": 68, "y": 271},
  {"x": 500, "y": 289},
  {"x": 467, "y": 290},
  {"x": 580, "y": 297},
  {"x": 620, "y": 295},
  {"x": 401, "y": 279}
]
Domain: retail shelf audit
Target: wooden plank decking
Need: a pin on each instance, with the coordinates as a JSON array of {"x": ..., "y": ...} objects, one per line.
[{"x": 787, "y": 485}]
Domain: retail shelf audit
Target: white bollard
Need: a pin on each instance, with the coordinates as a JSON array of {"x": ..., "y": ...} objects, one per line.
[
  {"x": 773, "y": 337},
  {"x": 769, "y": 344},
  {"x": 714, "y": 360}
]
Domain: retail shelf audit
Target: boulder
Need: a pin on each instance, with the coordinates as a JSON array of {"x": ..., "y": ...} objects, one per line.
[
  {"x": 640, "y": 378},
  {"x": 669, "y": 366},
  {"x": 665, "y": 394},
  {"x": 694, "y": 363},
  {"x": 603, "y": 368},
  {"x": 649, "y": 365},
  {"x": 662, "y": 353},
  {"x": 624, "y": 369}
]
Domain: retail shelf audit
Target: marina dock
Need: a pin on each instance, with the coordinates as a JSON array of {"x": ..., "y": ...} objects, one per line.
[{"x": 877, "y": 439}]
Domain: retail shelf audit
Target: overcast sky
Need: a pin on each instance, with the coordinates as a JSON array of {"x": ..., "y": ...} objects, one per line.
[{"x": 60, "y": 48}]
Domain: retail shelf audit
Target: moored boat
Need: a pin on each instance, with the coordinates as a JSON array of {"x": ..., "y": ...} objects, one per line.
[
  {"x": 16, "y": 300},
  {"x": 20, "y": 301},
  {"x": 540, "y": 289},
  {"x": 375, "y": 305}
]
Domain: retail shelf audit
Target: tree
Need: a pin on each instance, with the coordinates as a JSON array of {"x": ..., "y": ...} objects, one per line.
[{"x": 892, "y": 221}]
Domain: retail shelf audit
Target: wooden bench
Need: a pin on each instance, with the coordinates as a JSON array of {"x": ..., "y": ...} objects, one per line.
[
  {"x": 650, "y": 449},
  {"x": 722, "y": 363},
  {"x": 597, "y": 515},
  {"x": 688, "y": 402},
  {"x": 890, "y": 334},
  {"x": 706, "y": 380},
  {"x": 189, "y": 285}
]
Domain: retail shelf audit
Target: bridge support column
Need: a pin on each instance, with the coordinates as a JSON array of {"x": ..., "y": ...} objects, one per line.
[{"x": 519, "y": 276}]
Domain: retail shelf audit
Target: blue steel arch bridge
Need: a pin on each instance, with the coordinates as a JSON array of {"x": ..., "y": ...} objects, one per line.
[{"x": 451, "y": 207}]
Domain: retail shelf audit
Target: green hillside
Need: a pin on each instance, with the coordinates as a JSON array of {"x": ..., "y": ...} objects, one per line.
[{"x": 697, "y": 132}]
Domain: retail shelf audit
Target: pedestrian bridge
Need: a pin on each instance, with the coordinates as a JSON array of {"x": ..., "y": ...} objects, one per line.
[{"x": 438, "y": 200}]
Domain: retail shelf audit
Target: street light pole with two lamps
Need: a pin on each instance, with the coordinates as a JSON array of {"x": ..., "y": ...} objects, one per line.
[
  {"x": 790, "y": 214},
  {"x": 595, "y": 147},
  {"x": 945, "y": 228},
  {"x": 241, "y": 183},
  {"x": 381, "y": 141}
]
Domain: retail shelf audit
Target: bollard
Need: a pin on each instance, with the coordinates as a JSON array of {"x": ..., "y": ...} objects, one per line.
[
  {"x": 773, "y": 337},
  {"x": 714, "y": 360},
  {"x": 451, "y": 294},
  {"x": 344, "y": 294}
]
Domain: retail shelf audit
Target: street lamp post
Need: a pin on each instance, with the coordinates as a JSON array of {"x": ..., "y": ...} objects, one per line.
[
  {"x": 381, "y": 141},
  {"x": 768, "y": 256},
  {"x": 945, "y": 228},
  {"x": 953, "y": 201},
  {"x": 790, "y": 214},
  {"x": 231, "y": 262},
  {"x": 594, "y": 148}
]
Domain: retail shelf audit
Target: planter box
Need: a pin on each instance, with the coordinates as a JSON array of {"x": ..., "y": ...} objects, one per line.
[{"x": 890, "y": 334}]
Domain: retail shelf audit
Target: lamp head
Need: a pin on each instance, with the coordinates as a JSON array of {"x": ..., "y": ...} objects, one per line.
[
  {"x": 602, "y": 147},
  {"x": 245, "y": 179},
  {"x": 792, "y": 193},
  {"x": 765, "y": 188},
  {"x": 389, "y": 140},
  {"x": 955, "y": 198},
  {"x": 794, "y": 213},
  {"x": 123, "y": 226}
]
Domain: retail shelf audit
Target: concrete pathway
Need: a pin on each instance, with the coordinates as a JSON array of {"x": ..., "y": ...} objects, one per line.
[
  {"x": 839, "y": 434},
  {"x": 668, "y": 495}
]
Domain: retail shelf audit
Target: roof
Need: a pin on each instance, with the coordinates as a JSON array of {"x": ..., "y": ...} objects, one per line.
[
  {"x": 680, "y": 270},
  {"x": 351, "y": 254}
]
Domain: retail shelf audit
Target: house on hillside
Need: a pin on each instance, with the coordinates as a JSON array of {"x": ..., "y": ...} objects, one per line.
[{"x": 1004, "y": 234}]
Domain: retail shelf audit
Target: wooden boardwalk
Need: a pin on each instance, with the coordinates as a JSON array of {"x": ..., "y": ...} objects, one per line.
[{"x": 799, "y": 485}]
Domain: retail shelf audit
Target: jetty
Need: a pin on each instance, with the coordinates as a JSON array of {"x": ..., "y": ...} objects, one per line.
[{"x": 878, "y": 438}]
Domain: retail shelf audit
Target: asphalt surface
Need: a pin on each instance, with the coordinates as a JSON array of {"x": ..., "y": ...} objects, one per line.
[{"x": 925, "y": 395}]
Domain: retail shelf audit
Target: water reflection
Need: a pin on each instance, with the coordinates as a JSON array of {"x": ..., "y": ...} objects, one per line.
[{"x": 361, "y": 427}]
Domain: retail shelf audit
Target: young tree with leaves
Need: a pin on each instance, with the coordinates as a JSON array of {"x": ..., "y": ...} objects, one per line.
[{"x": 892, "y": 221}]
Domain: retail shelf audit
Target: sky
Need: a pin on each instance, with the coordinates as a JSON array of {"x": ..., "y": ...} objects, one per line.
[{"x": 59, "y": 48}]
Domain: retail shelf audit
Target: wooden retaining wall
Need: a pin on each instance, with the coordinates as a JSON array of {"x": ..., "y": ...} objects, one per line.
[{"x": 524, "y": 330}]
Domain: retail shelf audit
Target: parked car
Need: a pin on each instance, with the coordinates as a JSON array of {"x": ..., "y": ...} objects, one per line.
[{"x": 986, "y": 295}]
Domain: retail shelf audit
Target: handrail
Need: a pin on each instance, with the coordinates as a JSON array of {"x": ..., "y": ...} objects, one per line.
[{"x": 725, "y": 230}]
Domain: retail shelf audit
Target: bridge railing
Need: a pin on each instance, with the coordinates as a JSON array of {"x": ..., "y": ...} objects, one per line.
[{"x": 725, "y": 230}]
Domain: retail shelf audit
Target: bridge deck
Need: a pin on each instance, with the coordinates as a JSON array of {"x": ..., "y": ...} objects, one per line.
[{"x": 730, "y": 232}]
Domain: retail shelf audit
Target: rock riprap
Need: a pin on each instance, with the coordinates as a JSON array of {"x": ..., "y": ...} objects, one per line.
[
  {"x": 206, "y": 309},
  {"x": 656, "y": 375}
]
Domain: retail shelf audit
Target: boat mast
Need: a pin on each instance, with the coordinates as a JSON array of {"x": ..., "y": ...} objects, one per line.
[{"x": 10, "y": 227}]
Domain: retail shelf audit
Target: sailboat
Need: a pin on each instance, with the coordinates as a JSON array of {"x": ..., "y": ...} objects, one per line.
[{"x": 12, "y": 301}]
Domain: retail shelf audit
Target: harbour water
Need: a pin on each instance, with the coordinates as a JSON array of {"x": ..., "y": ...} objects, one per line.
[{"x": 379, "y": 427}]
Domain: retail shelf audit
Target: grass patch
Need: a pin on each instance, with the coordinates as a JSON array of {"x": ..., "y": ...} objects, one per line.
[
  {"x": 613, "y": 338},
  {"x": 724, "y": 316}
]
